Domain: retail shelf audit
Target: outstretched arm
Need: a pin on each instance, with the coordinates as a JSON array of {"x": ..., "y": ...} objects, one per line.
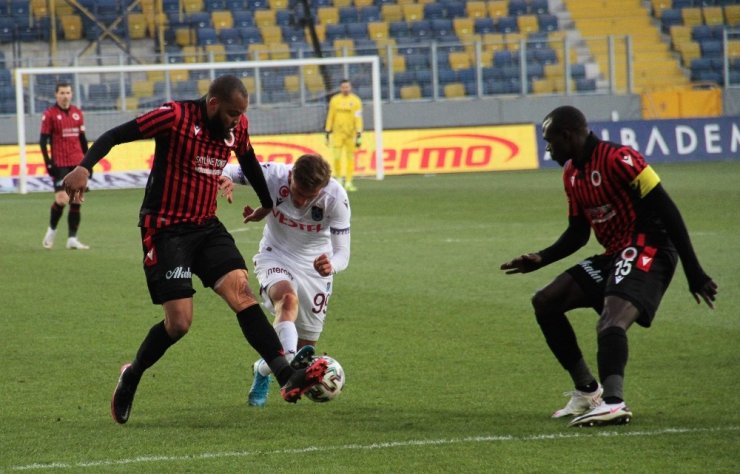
[
  {"x": 700, "y": 284},
  {"x": 574, "y": 237}
]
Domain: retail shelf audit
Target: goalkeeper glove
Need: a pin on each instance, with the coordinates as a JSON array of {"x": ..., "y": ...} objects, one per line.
[{"x": 358, "y": 140}]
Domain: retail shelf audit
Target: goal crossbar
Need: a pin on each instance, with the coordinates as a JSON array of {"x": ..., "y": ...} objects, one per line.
[{"x": 374, "y": 62}]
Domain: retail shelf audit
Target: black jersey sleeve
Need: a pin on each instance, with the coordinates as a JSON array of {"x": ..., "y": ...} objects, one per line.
[
  {"x": 127, "y": 132},
  {"x": 574, "y": 237},
  {"x": 253, "y": 172}
]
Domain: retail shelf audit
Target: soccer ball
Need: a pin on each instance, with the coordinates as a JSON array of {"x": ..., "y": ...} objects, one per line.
[{"x": 330, "y": 385}]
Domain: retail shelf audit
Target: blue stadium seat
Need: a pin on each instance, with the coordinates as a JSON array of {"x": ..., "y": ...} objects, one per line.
[
  {"x": 517, "y": 7},
  {"x": 495, "y": 87},
  {"x": 502, "y": 58},
  {"x": 292, "y": 35},
  {"x": 399, "y": 29},
  {"x": 185, "y": 89},
  {"x": 707, "y": 76},
  {"x": 445, "y": 76},
  {"x": 409, "y": 46},
  {"x": 546, "y": 56},
  {"x": 423, "y": 76},
  {"x": 537, "y": 40},
  {"x": 417, "y": 61},
  {"x": 236, "y": 5},
  {"x": 357, "y": 31},
  {"x": 717, "y": 31},
  {"x": 348, "y": 15},
  {"x": 19, "y": 8},
  {"x": 283, "y": 17},
  {"x": 701, "y": 33},
  {"x": 199, "y": 20},
  {"x": 577, "y": 71},
  {"x": 106, "y": 7},
  {"x": 717, "y": 62},
  {"x": 29, "y": 33},
  {"x": 495, "y": 73},
  {"x": 213, "y": 5},
  {"x": 454, "y": 9},
  {"x": 701, "y": 64},
  {"x": 465, "y": 75},
  {"x": 230, "y": 36},
  {"x": 471, "y": 88},
  {"x": 257, "y": 5},
  {"x": 511, "y": 71},
  {"x": 547, "y": 22},
  {"x": 669, "y": 18},
  {"x": 370, "y": 13},
  {"x": 250, "y": 34},
  {"x": 235, "y": 52},
  {"x": 442, "y": 29},
  {"x": 7, "y": 30},
  {"x": 683, "y": 4},
  {"x": 535, "y": 70},
  {"x": 335, "y": 31},
  {"x": 98, "y": 92},
  {"x": 711, "y": 48},
  {"x": 539, "y": 6},
  {"x": 242, "y": 18},
  {"x": 206, "y": 36},
  {"x": 405, "y": 78},
  {"x": 422, "y": 29},
  {"x": 508, "y": 24},
  {"x": 365, "y": 46},
  {"x": 434, "y": 11},
  {"x": 485, "y": 25}
]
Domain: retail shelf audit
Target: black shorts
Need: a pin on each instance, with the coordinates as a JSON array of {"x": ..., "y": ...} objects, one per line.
[
  {"x": 638, "y": 273},
  {"x": 173, "y": 254},
  {"x": 59, "y": 174}
]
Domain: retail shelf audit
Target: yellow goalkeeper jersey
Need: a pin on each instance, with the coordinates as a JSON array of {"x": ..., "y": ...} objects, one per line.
[{"x": 345, "y": 114}]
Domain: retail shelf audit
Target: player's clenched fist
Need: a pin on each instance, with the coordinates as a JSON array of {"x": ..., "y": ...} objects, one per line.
[
  {"x": 322, "y": 264},
  {"x": 75, "y": 184}
]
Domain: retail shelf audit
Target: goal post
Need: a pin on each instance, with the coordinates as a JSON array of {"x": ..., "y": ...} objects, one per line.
[{"x": 277, "y": 105}]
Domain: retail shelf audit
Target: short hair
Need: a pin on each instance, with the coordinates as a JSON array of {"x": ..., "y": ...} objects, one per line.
[
  {"x": 223, "y": 87},
  {"x": 61, "y": 85},
  {"x": 311, "y": 172},
  {"x": 344, "y": 81},
  {"x": 566, "y": 117}
]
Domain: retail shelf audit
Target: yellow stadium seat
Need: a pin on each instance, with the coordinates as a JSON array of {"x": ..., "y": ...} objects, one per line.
[
  {"x": 129, "y": 103},
  {"x": 142, "y": 88},
  {"x": 264, "y": 17},
  {"x": 184, "y": 37},
  {"x": 342, "y": 3},
  {"x": 137, "y": 25},
  {"x": 680, "y": 34},
  {"x": 39, "y": 8},
  {"x": 320, "y": 32},
  {"x": 377, "y": 30},
  {"x": 732, "y": 14},
  {"x": 390, "y": 12},
  {"x": 257, "y": 51},
  {"x": 498, "y": 8},
  {"x": 383, "y": 44},
  {"x": 410, "y": 92},
  {"x": 713, "y": 15},
  {"x": 192, "y": 6},
  {"x": 222, "y": 19},
  {"x": 691, "y": 16},
  {"x": 154, "y": 21},
  {"x": 399, "y": 63},
  {"x": 191, "y": 54},
  {"x": 494, "y": 41},
  {"x": 528, "y": 23},
  {"x": 344, "y": 47},
  {"x": 424, "y": 2},
  {"x": 513, "y": 41},
  {"x": 454, "y": 90},
  {"x": 463, "y": 27},
  {"x": 689, "y": 50},
  {"x": 72, "y": 27},
  {"x": 63, "y": 8},
  {"x": 271, "y": 34},
  {"x": 476, "y": 9},
  {"x": 155, "y": 76},
  {"x": 486, "y": 57},
  {"x": 554, "y": 70},
  {"x": 363, "y": 3},
  {"x": 278, "y": 4},
  {"x": 413, "y": 12},
  {"x": 215, "y": 53},
  {"x": 292, "y": 83},
  {"x": 459, "y": 60},
  {"x": 179, "y": 75},
  {"x": 250, "y": 84},
  {"x": 279, "y": 51},
  {"x": 542, "y": 86},
  {"x": 659, "y": 6},
  {"x": 733, "y": 48},
  {"x": 328, "y": 15},
  {"x": 203, "y": 85}
]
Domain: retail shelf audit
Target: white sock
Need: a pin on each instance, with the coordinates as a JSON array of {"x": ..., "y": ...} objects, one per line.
[
  {"x": 263, "y": 368},
  {"x": 288, "y": 335}
]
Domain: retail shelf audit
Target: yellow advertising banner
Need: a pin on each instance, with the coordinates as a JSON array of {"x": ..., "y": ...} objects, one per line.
[{"x": 418, "y": 151}]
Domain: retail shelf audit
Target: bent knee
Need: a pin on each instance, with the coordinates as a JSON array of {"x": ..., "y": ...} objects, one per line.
[
  {"x": 61, "y": 198},
  {"x": 234, "y": 288},
  {"x": 542, "y": 302},
  {"x": 177, "y": 327},
  {"x": 289, "y": 301}
]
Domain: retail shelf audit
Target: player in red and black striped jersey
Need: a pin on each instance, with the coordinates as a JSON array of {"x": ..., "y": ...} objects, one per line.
[
  {"x": 181, "y": 234},
  {"x": 63, "y": 125},
  {"x": 612, "y": 190}
]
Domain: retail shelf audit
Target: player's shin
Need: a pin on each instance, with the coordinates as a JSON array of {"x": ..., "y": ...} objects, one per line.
[
  {"x": 350, "y": 165},
  {"x": 561, "y": 339},
  {"x": 73, "y": 219},
  {"x": 155, "y": 344},
  {"x": 612, "y": 358},
  {"x": 261, "y": 335}
]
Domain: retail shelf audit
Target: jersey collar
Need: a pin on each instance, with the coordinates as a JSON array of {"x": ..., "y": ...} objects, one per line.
[{"x": 588, "y": 149}]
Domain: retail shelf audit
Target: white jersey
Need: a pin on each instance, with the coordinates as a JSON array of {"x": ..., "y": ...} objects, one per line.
[{"x": 300, "y": 233}]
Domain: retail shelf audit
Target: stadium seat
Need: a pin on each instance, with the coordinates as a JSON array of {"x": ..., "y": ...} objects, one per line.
[
  {"x": 399, "y": 29},
  {"x": 535, "y": 70},
  {"x": 484, "y": 26},
  {"x": 20, "y": 9},
  {"x": 403, "y": 78},
  {"x": 334, "y": 31},
  {"x": 191, "y": 6},
  {"x": 454, "y": 90},
  {"x": 229, "y": 36},
  {"x": 199, "y": 20},
  {"x": 215, "y": 52},
  {"x": 390, "y": 12},
  {"x": 264, "y": 17},
  {"x": 454, "y": 9},
  {"x": 410, "y": 92},
  {"x": 363, "y": 3},
  {"x": 577, "y": 71},
  {"x": 434, "y": 11},
  {"x": 507, "y": 24},
  {"x": 691, "y": 16},
  {"x": 669, "y": 18},
  {"x": 357, "y": 31},
  {"x": 421, "y": 30},
  {"x": 711, "y": 48},
  {"x": 278, "y": 4},
  {"x": 498, "y": 8},
  {"x": 517, "y": 7},
  {"x": 548, "y": 22},
  {"x": 459, "y": 60},
  {"x": 140, "y": 88},
  {"x": 442, "y": 29},
  {"x": 206, "y": 36},
  {"x": 258, "y": 52},
  {"x": 222, "y": 19},
  {"x": 713, "y": 16},
  {"x": 413, "y": 12},
  {"x": 379, "y": 29},
  {"x": 370, "y": 13},
  {"x": 464, "y": 27},
  {"x": 539, "y": 7},
  {"x": 328, "y": 15},
  {"x": 271, "y": 34},
  {"x": 242, "y": 19},
  {"x": 732, "y": 14},
  {"x": 699, "y": 32},
  {"x": 527, "y": 23},
  {"x": 344, "y": 47},
  {"x": 279, "y": 51},
  {"x": 476, "y": 9},
  {"x": 235, "y": 52},
  {"x": 250, "y": 34},
  {"x": 72, "y": 27},
  {"x": 137, "y": 25},
  {"x": 445, "y": 76},
  {"x": 348, "y": 14},
  {"x": 214, "y": 5}
]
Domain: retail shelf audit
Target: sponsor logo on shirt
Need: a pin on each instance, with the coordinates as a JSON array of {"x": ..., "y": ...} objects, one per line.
[
  {"x": 287, "y": 221},
  {"x": 601, "y": 214},
  {"x": 209, "y": 165}
]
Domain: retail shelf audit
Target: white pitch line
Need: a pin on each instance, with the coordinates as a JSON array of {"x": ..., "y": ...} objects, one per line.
[{"x": 366, "y": 447}]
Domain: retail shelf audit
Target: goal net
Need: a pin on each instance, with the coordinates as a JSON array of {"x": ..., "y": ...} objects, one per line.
[{"x": 288, "y": 106}]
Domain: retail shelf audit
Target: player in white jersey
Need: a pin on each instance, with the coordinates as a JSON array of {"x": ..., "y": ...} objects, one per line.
[{"x": 306, "y": 240}]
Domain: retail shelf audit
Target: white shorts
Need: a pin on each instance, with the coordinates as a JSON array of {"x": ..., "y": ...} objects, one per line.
[{"x": 313, "y": 290}]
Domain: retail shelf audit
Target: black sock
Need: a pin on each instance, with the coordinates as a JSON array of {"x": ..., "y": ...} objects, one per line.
[
  {"x": 73, "y": 219},
  {"x": 261, "y": 335},
  {"x": 612, "y": 358},
  {"x": 561, "y": 339},
  {"x": 588, "y": 388},
  {"x": 153, "y": 347},
  {"x": 56, "y": 214}
]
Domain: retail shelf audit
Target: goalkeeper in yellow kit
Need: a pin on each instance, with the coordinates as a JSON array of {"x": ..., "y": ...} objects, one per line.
[{"x": 344, "y": 131}]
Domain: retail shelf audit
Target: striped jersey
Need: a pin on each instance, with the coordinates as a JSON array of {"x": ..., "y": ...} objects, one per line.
[
  {"x": 607, "y": 191},
  {"x": 183, "y": 183},
  {"x": 64, "y": 127}
]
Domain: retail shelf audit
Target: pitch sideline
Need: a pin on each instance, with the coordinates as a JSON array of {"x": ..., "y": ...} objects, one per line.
[{"x": 385, "y": 445}]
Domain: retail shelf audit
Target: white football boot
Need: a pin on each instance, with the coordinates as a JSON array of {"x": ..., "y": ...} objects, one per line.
[
  {"x": 49, "y": 238},
  {"x": 74, "y": 244},
  {"x": 604, "y": 414},
  {"x": 580, "y": 402}
]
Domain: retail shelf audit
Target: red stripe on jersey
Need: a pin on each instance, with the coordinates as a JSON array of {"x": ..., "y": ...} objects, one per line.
[
  {"x": 183, "y": 186},
  {"x": 602, "y": 192},
  {"x": 64, "y": 127}
]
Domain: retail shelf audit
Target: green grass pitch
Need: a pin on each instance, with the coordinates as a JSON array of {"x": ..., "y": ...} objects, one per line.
[{"x": 446, "y": 368}]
